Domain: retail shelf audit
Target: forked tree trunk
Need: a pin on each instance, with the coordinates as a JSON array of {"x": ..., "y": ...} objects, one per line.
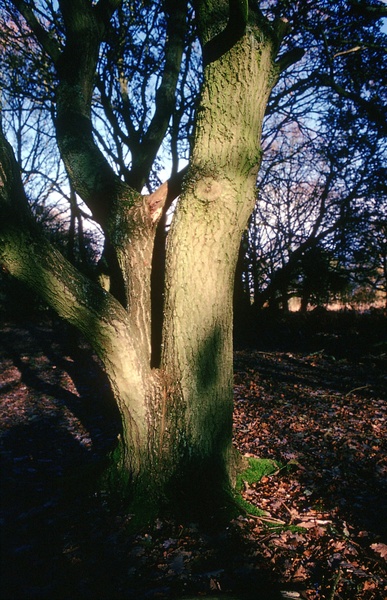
[
  {"x": 194, "y": 422},
  {"x": 176, "y": 419}
]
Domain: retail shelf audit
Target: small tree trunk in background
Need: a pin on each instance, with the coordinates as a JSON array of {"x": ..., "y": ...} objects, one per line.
[{"x": 241, "y": 303}]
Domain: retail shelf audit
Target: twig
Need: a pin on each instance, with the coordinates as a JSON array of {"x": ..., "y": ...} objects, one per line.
[
  {"x": 356, "y": 389},
  {"x": 334, "y": 585},
  {"x": 289, "y": 511},
  {"x": 354, "y": 49},
  {"x": 266, "y": 519}
]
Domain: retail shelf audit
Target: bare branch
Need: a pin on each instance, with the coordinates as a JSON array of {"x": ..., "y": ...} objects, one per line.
[
  {"x": 343, "y": 52},
  {"x": 165, "y": 95},
  {"x": 42, "y": 36},
  {"x": 289, "y": 58}
]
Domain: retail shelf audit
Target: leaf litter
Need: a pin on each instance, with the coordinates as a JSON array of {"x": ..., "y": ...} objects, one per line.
[{"x": 322, "y": 531}]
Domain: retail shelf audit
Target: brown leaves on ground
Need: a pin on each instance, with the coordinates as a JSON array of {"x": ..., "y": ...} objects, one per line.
[
  {"x": 324, "y": 533},
  {"x": 324, "y": 421},
  {"x": 380, "y": 549}
]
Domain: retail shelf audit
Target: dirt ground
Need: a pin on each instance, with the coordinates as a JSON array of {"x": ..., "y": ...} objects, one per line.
[{"x": 313, "y": 399}]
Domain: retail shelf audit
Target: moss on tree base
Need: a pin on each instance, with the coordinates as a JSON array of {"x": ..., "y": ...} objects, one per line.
[{"x": 203, "y": 496}]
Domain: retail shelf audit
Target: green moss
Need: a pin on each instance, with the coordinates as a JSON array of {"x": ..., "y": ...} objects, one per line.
[
  {"x": 256, "y": 469},
  {"x": 246, "y": 508},
  {"x": 115, "y": 481},
  {"x": 194, "y": 497}
]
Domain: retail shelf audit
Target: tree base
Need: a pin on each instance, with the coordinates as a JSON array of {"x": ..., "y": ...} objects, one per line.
[{"x": 202, "y": 494}]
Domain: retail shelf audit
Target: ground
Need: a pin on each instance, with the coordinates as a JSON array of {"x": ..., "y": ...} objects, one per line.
[{"x": 311, "y": 396}]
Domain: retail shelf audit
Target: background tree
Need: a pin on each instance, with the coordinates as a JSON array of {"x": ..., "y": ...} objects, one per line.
[
  {"x": 137, "y": 65},
  {"x": 310, "y": 197},
  {"x": 27, "y": 104},
  {"x": 325, "y": 153},
  {"x": 366, "y": 256}
]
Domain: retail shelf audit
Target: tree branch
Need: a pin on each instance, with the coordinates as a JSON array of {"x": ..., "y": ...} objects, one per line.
[
  {"x": 363, "y": 9},
  {"x": 282, "y": 27},
  {"x": 105, "y": 9},
  {"x": 12, "y": 196},
  {"x": 289, "y": 58},
  {"x": 26, "y": 254},
  {"x": 165, "y": 95},
  {"x": 375, "y": 115},
  {"x": 344, "y": 52},
  {"x": 88, "y": 169},
  {"x": 234, "y": 30},
  {"x": 42, "y": 36},
  {"x": 160, "y": 201}
]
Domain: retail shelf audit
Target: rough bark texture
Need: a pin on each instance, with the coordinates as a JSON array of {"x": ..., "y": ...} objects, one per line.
[
  {"x": 177, "y": 419},
  {"x": 202, "y": 254}
]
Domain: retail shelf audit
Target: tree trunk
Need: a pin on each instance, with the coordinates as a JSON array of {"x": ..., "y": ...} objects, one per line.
[
  {"x": 202, "y": 253},
  {"x": 187, "y": 455},
  {"x": 176, "y": 419}
]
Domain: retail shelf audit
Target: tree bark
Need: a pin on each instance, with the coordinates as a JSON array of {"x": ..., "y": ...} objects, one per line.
[
  {"x": 176, "y": 419},
  {"x": 202, "y": 253}
]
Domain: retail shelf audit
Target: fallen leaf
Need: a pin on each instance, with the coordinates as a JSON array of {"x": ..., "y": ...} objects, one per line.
[{"x": 380, "y": 549}]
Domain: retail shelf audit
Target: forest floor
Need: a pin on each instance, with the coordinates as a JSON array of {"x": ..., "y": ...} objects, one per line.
[{"x": 312, "y": 400}]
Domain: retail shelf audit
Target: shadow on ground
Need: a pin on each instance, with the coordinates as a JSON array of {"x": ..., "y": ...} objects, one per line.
[{"x": 61, "y": 539}]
